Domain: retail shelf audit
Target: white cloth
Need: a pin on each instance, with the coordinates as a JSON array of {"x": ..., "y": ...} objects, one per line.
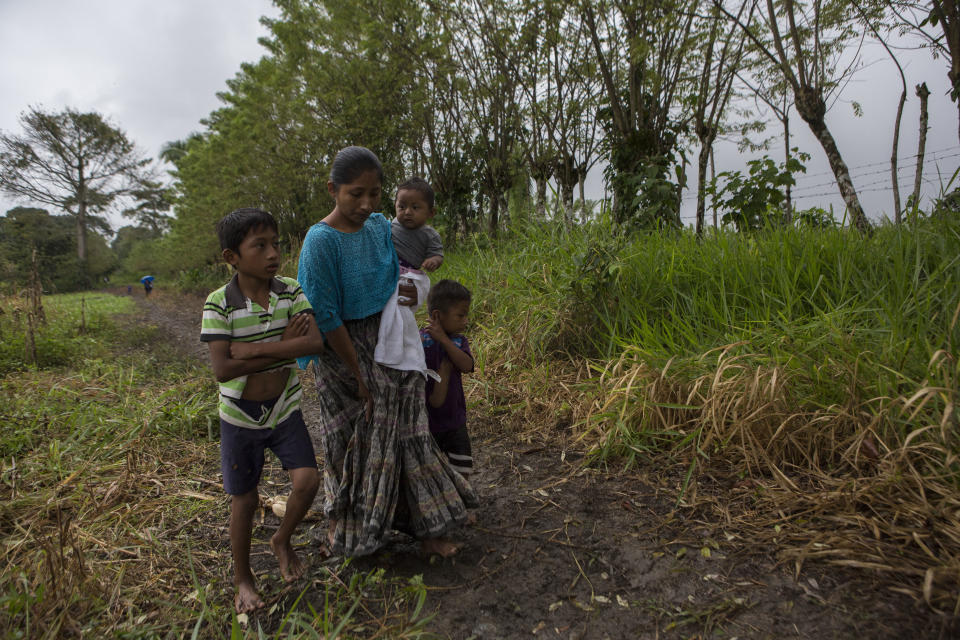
[{"x": 398, "y": 343}]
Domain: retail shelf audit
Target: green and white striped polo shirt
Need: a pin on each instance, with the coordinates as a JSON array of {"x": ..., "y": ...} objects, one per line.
[{"x": 230, "y": 315}]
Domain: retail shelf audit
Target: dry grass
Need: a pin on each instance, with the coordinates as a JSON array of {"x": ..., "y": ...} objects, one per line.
[
  {"x": 113, "y": 520},
  {"x": 833, "y": 483}
]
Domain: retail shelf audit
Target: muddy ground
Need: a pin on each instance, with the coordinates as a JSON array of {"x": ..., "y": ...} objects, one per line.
[{"x": 560, "y": 550}]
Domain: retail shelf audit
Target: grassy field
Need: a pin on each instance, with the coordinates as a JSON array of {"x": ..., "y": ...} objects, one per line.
[
  {"x": 112, "y": 520},
  {"x": 818, "y": 369},
  {"x": 811, "y": 375}
]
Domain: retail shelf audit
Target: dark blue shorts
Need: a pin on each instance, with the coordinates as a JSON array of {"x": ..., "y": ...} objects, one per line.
[
  {"x": 455, "y": 443},
  {"x": 242, "y": 449}
]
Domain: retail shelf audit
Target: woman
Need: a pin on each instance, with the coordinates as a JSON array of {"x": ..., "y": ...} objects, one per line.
[{"x": 382, "y": 469}]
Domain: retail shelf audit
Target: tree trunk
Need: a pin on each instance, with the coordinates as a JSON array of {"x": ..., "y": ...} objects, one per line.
[
  {"x": 566, "y": 197},
  {"x": 702, "y": 162},
  {"x": 493, "y": 223},
  {"x": 581, "y": 177},
  {"x": 82, "y": 231},
  {"x": 923, "y": 93},
  {"x": 812, "y": 109},
  {"x": 713, "y": 180},
  {"x": 541, "y": 206},
  {"x": 788, "y": 203},
  {"x": 897, "y": 214},
  {"x": 81, "y": 217}
]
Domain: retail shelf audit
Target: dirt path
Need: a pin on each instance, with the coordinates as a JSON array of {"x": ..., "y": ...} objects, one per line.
[{"x": 564, "y": 551}]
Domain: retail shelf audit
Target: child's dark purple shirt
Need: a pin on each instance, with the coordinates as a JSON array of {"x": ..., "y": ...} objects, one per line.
[{"x": 452, "y": 414}]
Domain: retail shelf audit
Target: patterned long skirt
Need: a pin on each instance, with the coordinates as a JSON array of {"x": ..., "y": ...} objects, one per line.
[{"x": 387, "y": 472}]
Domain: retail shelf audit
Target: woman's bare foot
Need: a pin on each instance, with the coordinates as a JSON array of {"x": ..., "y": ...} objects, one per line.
[
  {"x": 291, "y": 567},
  {"x": 440, "y": 546},
  {"x": 331, "y": 533},
  {"x": 247, "y": 599}
]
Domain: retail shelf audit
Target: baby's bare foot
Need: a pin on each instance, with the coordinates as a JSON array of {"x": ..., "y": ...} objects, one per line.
[
  {"x": 247, "y": 599},
  {"x": 291, "y": 567},
  {"x": 440, "y": 546}
]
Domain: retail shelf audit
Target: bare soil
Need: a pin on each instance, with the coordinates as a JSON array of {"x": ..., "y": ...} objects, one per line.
[{"x": 563, "y": 550}]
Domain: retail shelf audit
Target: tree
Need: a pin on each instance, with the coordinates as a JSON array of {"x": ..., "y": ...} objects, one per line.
[
  {"x": 24, "y": 229},
  {"x": 806, "y": 41},
  {"x": 76, "y": 162},
  {"x": 642, "y": 50},
  {"x": 487, "y": 53},
  {"x": 714, "y": 88},
  {"x": 894, "y": 179},
  {"x": 923, "y": 93},
  {"x": 560, "y": 89},
  {"x": 330, "y": 79},
  {"x": 152, "y": 200},
  {"x": 128, "y": 237},
  {"x": 773, "y": 91}
]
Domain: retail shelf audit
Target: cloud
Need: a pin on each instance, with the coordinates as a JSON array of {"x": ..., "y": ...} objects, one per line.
[{"x": 152, "y": 68}]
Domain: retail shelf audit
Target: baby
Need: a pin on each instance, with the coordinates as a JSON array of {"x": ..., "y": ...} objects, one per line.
[
  {"x": 419, "y": 249},
  {"x": 418, "y": 244}
]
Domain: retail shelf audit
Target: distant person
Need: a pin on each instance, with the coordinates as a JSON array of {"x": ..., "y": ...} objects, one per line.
[
  {"x": 147, "y": 288},
  {"x": 447, "y": 352},
  {"x": 254, "y": 326},
  {"x": 129, "y": 289},
  {"x": 382, "y": 469}
]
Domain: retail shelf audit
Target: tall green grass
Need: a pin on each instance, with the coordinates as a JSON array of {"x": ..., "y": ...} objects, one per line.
[{"x": 818, "y": 303}]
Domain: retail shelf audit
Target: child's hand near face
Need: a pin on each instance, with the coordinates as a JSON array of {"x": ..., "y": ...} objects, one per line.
[
  {"x": 435, "y": 329},
  {"x": 432, "y": 263}
]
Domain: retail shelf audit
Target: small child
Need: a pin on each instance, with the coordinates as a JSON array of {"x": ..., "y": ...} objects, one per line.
[
  {"x": 419, "y": 249},
  {"x": 254, "y": 326},
  {"x": 447, "y": 351},
  {"x": 418, "y": 244}
]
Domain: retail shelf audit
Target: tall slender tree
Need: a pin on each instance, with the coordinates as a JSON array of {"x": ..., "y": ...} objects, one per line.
[
  {"x": 486, "y": 53},
  {"x": 76, "y": 162},
  {"x": 713, "y": 91},
  {"x": 873, "y": 23},
  {"x": 805, "y": 40}
]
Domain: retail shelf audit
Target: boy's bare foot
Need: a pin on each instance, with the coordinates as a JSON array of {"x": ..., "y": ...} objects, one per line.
[
  {"x": 291, "y": 567},
  {"x": 471, "y": 517},
  {"x": 440, "y": 546},
  {"x": 247, "y": 599}
]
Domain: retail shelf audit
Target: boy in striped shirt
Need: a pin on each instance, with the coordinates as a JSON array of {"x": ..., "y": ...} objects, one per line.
[{"x": 255, "y": 325}]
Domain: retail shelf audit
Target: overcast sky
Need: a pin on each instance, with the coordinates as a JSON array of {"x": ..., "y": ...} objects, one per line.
[{"x": 154, "y": 68}]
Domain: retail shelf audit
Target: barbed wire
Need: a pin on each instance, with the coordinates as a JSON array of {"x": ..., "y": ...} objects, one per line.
[
  {"x": 912, "y": 156},
  {"x": 832, "y": 193},
  {"x": 800, "y": 189},
  {"x": 900, "y": 168}
]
